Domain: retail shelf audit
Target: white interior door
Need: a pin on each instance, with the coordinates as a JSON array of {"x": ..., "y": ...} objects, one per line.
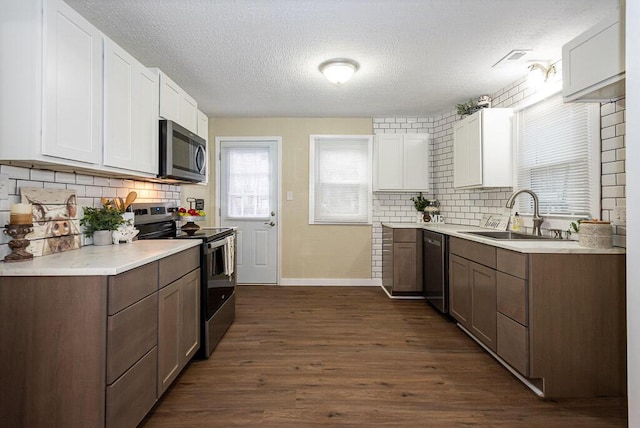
[{"x": 249, "y": 201}]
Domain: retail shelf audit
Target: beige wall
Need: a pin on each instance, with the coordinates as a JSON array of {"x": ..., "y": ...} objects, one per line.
[{"x": 308, "y": 251}]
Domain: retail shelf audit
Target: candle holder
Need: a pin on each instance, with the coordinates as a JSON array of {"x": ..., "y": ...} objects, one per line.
[{"x": 18, "y": 244}]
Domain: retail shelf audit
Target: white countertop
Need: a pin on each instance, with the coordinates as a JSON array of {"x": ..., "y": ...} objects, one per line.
[
  {"x": 98, "y": 260},
  {"x": 538, "y": 247}
]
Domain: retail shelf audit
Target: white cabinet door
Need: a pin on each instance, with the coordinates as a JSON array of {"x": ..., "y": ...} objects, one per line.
[
  {"x": 415, "y": 168},
  {"x": 203, "y": 125},
  {"x": 73, "y": 86},
  {"x": 482, "y": 149},
  {"x": 188, "y": 113},
  {"x": 130, "y": 116},
  {"x": 176, "y": 104},
  {"x": 401, "y": 162},
  {"x": 593, "y": 64},
  {"x": 389, "y": 162}
]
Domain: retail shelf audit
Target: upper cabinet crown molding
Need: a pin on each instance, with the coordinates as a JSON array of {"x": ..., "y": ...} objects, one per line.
[
  {"x": 593, "y": 64},
  {"x": 401, "y": 163},
  {"x": 482, "y": 147}
]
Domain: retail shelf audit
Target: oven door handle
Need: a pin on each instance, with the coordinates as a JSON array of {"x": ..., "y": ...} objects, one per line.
[{"x": 210, "y": 246}]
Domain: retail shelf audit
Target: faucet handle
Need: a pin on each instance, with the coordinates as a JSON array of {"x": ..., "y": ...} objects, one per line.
[{"x": 557, "y": 233}]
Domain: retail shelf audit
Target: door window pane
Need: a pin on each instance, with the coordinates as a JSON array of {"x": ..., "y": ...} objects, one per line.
[{"x": 248, "y": 172}]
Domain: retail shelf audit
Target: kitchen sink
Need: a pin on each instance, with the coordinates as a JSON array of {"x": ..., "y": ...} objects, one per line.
[{"x": 508, "y": 236}]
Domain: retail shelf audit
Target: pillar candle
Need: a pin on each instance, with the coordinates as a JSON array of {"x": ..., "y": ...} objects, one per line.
[{"x": 20, "y": 214}]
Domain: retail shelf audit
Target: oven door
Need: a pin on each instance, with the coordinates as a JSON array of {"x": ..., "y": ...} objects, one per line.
[{"x": 218, "y": 285}]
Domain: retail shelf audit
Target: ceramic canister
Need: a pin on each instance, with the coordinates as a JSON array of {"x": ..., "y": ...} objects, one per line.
[{"x": 595, "y": 234}]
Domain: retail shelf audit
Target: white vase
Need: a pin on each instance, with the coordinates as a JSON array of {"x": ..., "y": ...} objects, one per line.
[{"x": 102, "y": 237}]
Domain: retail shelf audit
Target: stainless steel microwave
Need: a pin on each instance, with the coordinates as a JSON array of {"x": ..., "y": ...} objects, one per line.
[{"x": 183, "y": 154}]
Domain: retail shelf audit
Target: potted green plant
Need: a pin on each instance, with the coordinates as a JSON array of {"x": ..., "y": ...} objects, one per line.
[
  {"x": 100, "y": 222},
  {"x": 420, "y": 202}
]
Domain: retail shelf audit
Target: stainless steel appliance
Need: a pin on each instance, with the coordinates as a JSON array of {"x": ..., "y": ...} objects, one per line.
[
  {"x": 217, "y": 267},
  {"x": 183, "y": 154},
  {"x": 435, "y": 285}
]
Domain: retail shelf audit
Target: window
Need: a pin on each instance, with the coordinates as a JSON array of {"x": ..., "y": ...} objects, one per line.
[
  {"x": 249, "y": 172},
  {"x": 558, "y": 157},
  {"x": 340, "y": 174}
]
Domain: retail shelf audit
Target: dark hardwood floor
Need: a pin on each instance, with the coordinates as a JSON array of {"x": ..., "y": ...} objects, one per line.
[{"x": 350, "y": 356}]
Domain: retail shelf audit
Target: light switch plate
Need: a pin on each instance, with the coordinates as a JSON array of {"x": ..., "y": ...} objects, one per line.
[
  {"x": 289, "y": 195},
  {"x": 619, "y": 217},
  {"x": 4, "y": 186}
]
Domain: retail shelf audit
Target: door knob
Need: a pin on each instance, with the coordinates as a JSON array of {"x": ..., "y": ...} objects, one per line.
[{"x": 270, "y": 223}]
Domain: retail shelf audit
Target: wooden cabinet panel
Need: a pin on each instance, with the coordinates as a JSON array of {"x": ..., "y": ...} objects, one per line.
[
  {"x": 474, "y": 251},
  {"x": 460, "y": 290},
  {"x": 513, "y": 344},
  {"x": 52, "y": 331},
  {"x": 513, "y": 263},
  {"x": 512, "y": 297},
  {"x": 483, "y": 300},
  {"x": 134, "y": 394},
  {"x": 404, "y": 268},
  {"x": 130, "y": 334},
  {"x": 131, "y": 286},
  {"x": 173, "y": 267},
  {"x": 190, "y": 334},
  {"x": 406, "y": 235},
  {"x": 169, "y": 329}
]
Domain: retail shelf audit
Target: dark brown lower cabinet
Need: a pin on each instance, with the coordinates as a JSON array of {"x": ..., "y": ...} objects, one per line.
[
  {"x": 472, "y": 289},
  {"x": 84, "y": 351},
  {"x": 557, "y": 319},
  {"x": 402, "y": 260}
]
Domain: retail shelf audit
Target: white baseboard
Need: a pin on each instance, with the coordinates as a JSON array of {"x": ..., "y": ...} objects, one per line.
[{"x": 333, "y": 282}]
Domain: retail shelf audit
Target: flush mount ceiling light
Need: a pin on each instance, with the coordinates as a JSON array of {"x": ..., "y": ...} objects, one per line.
[
  {"x": 338, "y": 70},
  {"x": 538, "y": 73}
]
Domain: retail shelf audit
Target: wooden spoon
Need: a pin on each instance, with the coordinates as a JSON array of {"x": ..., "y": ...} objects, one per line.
[{"x": 131, "y": 196}]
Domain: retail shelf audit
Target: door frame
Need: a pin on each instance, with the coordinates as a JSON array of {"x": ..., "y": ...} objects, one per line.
[{"x": 218, "y": 213}]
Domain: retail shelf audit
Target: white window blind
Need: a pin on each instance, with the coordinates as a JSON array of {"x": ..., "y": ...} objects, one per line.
[
  {"x": 558, "y": 157},
  {"x": 340, "y": 174},
  {"x": 248, "y": 182}
]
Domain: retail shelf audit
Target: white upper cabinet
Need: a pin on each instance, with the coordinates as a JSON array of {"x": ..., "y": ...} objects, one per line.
[
  {"x": 176, "y": 104},
  {"x": 73, "y": 86},
  {"x": 482, "y": 147},
  {"x": 130, "y": 112},
  {"x": 203, "y": 125},
  {"x": 401, "y": 162},
  {"x": 51, "y": 85},
  {"x": 593, "y": 64}
]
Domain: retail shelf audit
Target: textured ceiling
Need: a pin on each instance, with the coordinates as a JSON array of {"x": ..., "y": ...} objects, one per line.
[{"x": 259, "y": 58}]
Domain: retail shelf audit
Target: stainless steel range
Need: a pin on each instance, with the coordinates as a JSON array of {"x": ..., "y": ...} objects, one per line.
[{"x": 217, "y": 266}]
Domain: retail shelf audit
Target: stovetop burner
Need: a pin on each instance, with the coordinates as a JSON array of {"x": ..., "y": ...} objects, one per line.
[{"x": 157, "y": 220}]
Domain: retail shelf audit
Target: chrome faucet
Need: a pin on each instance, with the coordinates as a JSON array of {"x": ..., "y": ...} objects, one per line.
[{"x": 537, "y": 220}]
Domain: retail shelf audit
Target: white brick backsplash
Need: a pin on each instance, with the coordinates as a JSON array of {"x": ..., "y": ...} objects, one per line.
[
  {"x": 93, "y": 191},
  {"x": 15, "y": 172},
  {"x": 41, "y": 175},
  {"x": 101, "y": 181},
  {"x": 84, "y": 179},
  {"x": 65, "y": 177},
  {"x": 466, "y": 207}
]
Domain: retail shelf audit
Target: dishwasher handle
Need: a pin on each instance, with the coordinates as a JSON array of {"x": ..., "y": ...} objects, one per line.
[{"x": 435, "y": 242}]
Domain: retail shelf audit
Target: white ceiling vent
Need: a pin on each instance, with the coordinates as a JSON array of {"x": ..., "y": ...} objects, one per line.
[{"x": 516, "y": 56}]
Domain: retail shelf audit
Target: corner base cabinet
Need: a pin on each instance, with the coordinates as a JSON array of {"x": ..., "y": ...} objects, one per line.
[
  {"x": 84, "y": 351},
  {"x": 402, "y": 261},
  {"x": 557, "y": 319}
]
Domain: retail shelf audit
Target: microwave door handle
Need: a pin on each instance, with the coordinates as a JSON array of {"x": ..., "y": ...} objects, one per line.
[{"x": 200, "y": 159}]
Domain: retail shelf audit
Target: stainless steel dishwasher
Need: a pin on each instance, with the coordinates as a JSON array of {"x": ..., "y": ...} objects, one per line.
[{"x": 435, "y": 272}]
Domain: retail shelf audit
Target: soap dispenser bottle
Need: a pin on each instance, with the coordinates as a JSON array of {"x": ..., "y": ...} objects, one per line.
[{"x": 516, "y": 223}]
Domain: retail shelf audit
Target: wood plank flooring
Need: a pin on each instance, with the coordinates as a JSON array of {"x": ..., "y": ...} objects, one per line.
[{"x": 350, "y": 356}]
